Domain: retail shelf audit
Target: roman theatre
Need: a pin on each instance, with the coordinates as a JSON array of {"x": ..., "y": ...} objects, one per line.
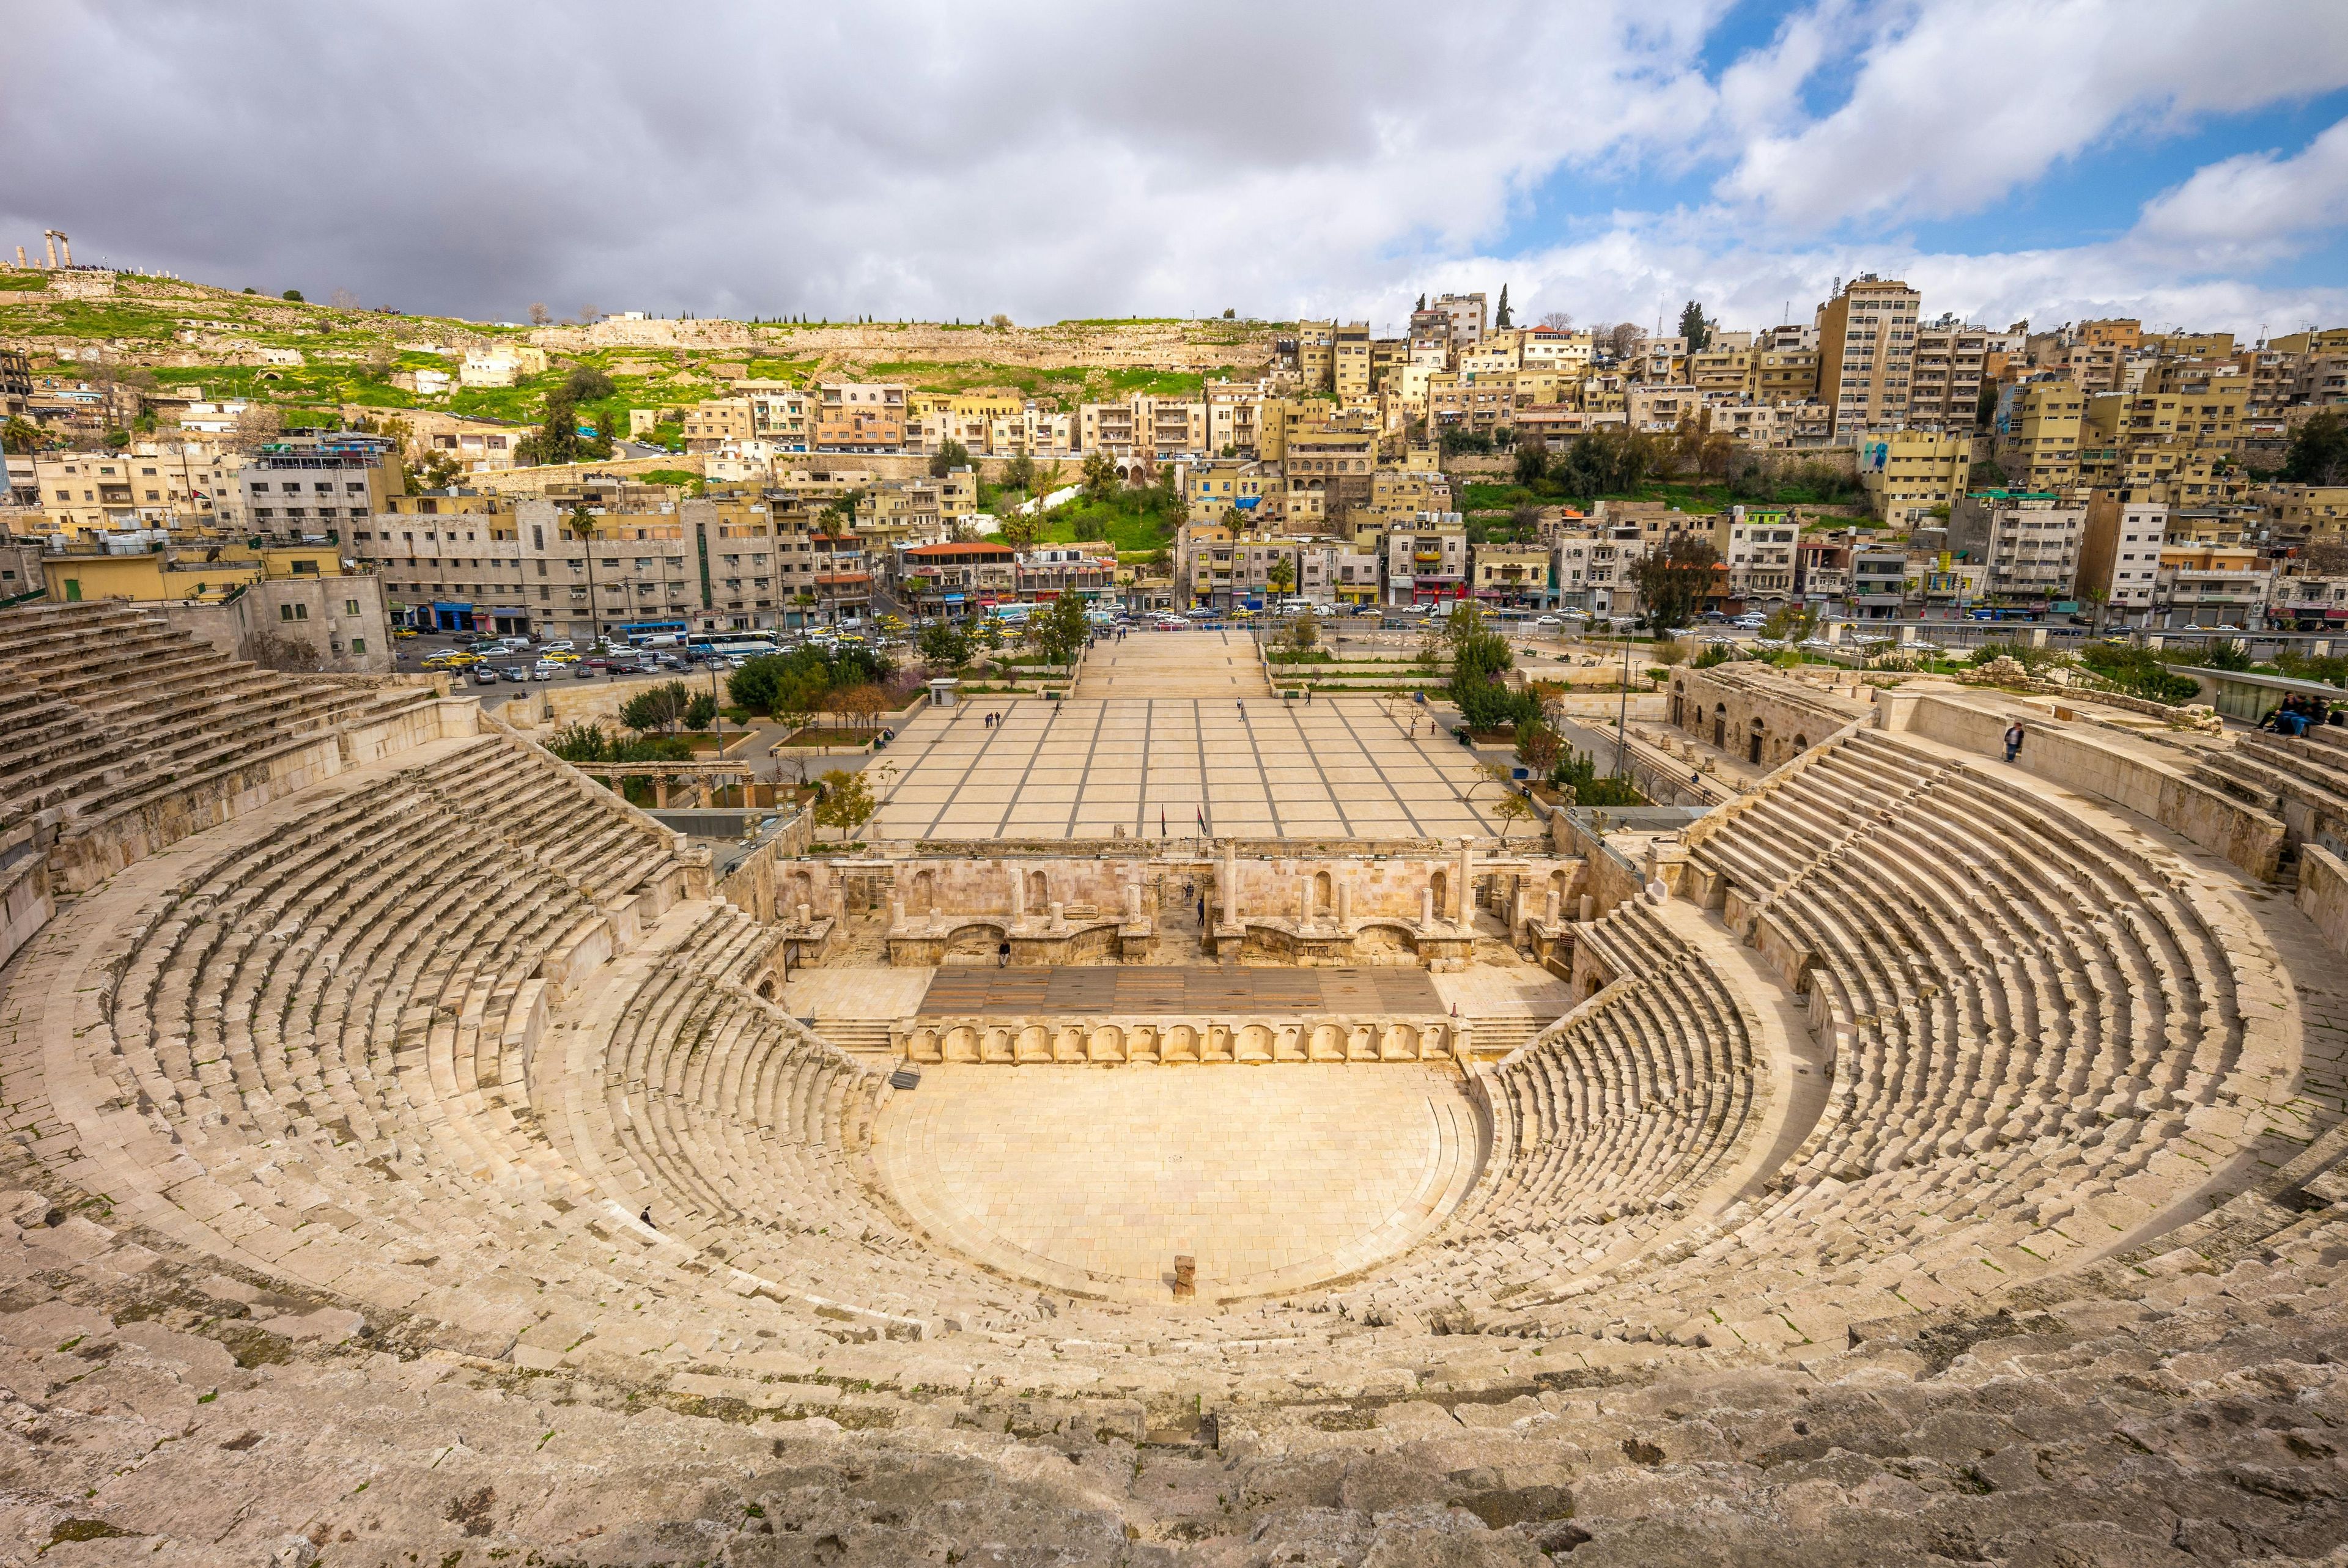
[{"x": 1189, "y": 1122}]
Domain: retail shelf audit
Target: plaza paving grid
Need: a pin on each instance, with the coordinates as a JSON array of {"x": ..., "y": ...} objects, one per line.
[
  {"x": 1201, "y": 991},
  {"x": 1345, "y": 767}
]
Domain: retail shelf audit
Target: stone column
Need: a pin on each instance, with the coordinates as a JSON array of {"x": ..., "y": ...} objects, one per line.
[
  {"x": 1303, "y": 899},
  {"x": 896, "y": 911},
  {"x": 1345, "y": 900},
  {"x": 1466, "y": 883},
  {"x": 1132, "y": 901},
  {"x": 1018, "y": 895},
  {"x": 1426, "y": 908},
  {"x": 1551, "y": 913},
  {"x": 1059, "y": 919},
  {"x": 1589, "y": 908},
  {"x": 1231, "y": 883}
]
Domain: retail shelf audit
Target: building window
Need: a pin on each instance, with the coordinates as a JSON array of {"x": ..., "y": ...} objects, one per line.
[
  {"x": 358, "y": 645},
  {"x": 292, "y": 612}
]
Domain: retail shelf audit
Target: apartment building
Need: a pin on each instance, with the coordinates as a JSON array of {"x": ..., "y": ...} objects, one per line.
[
  {"x": 1511, "y": 575},
  {"x": 719, "y": 422},
  {"x": 2211, "y": 585},
  {"x": 1088, "y": 572},
  {"x": 1350, "y": 371},
  {"x": 1426, "y": 560},
  {"x": 2302, "y": 600},
  {"x": 857, "y": 416},
  {"x": 2119, "y": 554},
  {"x": 1944, "y": 389},
  {"x": 1342, "y": 573},
  {"x": 320, "y": 484},
  {"x": 2304, "y": 515},
  {"x": 2030, "y": 541},
  {"x": 2039, "y": 424},
  {"x": 1723, "y": 371},
  {"x": 1329, "y": 473},
  {"x": 779, "y": 413},
  {"x": 1162, "y": 427},
  {"x": 1913, "y": 475},
  {"x": 192, "y": 486},
  {"x": 1547, "y": 348},
  {"x": 1316, "y": 354},
  {"x": 1235, "y": 416},
  {"x": 1867, "y": 351},
  {"x": 956, "y": 578},
  {"x": 1215, "y": 487},
  {"x": 1463, "y": 317},
  {"x": 1757, "y": 544},
  {"x": 1775, "y": 376}
]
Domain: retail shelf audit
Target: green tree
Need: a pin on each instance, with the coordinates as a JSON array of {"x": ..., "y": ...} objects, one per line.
[
  {"x": 20, "y": 435},
  {"x": 1061, "y": 631},
  {"x": 1673, "y": 581},
  {"x": 1537, "y": 745},
  {"x": 2318, "y": 451},
  {"x": 950, "y": 455},
  {"x": 1532, "y": 464},
  {"x": 944, "y": 646},
  {"x": 1694, "y": 327},
  {"x": 581, "y": 742},
  {"x": 1102, "y": 482},
  {"x": 1790, "y": 623},
  {"x": 1280, "y": 575},
  {"x": 1019, "y": 531},
  {"x": 1019, "y": 473},
  {"x": 847, "y": 802},
  {"x": 1500, "y": 316},
  {"x": 581, "y": 525},
  {"x": 657, "y": 709},
  {"x": 292, "y": 294},
  {"x": 585, "y": 384},
  {"x": 700, "y": 713},
  {"x": 1511, "y": 809}
]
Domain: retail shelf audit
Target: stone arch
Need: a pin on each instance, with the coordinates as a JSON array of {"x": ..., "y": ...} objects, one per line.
[
  {"x": 1039, "y": 892},
  {"x": 1254, "y": 1043},
  {"x": 798, "y": 888},
  {"x": 767, "y": 987},
  {"x": 1801, "y": 744},
  {"x": 920, "y": 896},
  {"x": 1106, "y": 1044},
  {"x": 1754, "y": 740},
  {"x": 1720, "y": 725},
  {"x": 1679, "y": 706},
  {"x": 1440, "y": 884},
  {"x": 1324, "y": 895},
  {"x": 973, "y": 943}
]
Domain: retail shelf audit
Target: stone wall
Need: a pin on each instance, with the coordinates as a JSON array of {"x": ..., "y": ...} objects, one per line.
[
  {"x": 2077, "y": 756},
  {"x": 1763, "y": 719},
  {"x": 2323, "y": 894},
  {"x": 759, "y": 881},
  {"x": 1019, "y": 1040}
]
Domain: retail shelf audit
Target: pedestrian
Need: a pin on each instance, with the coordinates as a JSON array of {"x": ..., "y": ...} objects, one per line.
[
  {"x": 2014, "y": 740},
  {"x": 1202, "y": 914},
  {"x": 1002, "y": 956},
  {"x": 645, "y": 1219}
]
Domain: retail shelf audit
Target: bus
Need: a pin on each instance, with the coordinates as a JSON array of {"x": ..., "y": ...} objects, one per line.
[
  {"x": 1014, "y": 613},
  {"x": 729, "y": 644},
  {"x": 637, "y": 633}
]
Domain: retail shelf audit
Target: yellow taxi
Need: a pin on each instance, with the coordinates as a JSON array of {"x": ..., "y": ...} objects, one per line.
[
  {"x": 451, "y": 660},
  {"x": 404, "y": 631},
  {"x": 558, "y": 656}
]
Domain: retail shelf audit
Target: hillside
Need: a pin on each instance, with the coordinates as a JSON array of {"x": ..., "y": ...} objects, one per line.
[{"x": 236, "y": 344}]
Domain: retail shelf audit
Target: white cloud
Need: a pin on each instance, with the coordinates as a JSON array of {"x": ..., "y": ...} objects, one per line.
[
  {"x": 954, "y": 161},
  {"x": 1955, "y": 105},
  {"x": 2254, "y": 201}
]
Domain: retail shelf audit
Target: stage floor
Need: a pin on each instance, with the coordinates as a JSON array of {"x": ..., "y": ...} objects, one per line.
[{"x": 1200, "y": 990}]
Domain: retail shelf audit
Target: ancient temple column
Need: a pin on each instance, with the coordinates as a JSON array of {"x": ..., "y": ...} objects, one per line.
[
  {"x": 1303, "y": 899},
  {"x": 1132, "y": 901},
  {"x": 1345, "y": 899},
  {"x": 1467, "y": 882},
  {"x": 1551, "y": 913},
  {"x": 1230, "y": 883},
  {"x": 1018, "y": 893},
  {"x": 1426, "y": 908}
]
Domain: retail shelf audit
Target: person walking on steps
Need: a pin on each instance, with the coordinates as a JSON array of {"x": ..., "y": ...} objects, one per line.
[{"x": 2014, "y": 740}]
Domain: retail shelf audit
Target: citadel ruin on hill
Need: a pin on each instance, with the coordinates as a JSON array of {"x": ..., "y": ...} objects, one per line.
[{"x": 416, "y": 1153}]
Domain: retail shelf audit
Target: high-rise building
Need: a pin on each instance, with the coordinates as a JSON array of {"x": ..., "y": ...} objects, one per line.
[{"x": 1867, "y": 353}]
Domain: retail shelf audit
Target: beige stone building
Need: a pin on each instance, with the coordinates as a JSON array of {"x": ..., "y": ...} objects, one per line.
[
  {"x": 2039, "y": 430},
  {"x": 1912, "y": 476},
  {"x": 1867, "y": 353},
  {"x": 857, "y": 417}
]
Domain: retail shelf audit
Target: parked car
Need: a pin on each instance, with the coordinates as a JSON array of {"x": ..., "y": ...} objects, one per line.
[
  {"x": 560, "y": 645},
  {"x": 545, "y": 669},
  {"x": 515, "y": 673},
  {"x": 1549, "y": 621},
  {"x": 485, "y": 676},
  {"x": 582, "y": 671}
]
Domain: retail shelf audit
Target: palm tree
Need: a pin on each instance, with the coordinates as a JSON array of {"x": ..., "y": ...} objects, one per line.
[{"x": 581, "y": 525}]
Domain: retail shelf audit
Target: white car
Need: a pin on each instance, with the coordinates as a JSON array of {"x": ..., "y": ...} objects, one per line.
[{"x": 1548, "y": 621}]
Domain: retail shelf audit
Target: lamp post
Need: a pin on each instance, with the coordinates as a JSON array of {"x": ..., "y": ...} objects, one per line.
[{"x": 1622, "y": 713}]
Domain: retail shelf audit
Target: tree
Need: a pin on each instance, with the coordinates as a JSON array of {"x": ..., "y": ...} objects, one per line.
[
  {"x": 581, "y": 742},
  {"x": 1019, "y": 473},
  {"x": 2318, "y": 451},
  {"x": 1532, "y": 464},
  {"x": 701, "y": 712},
  {"x": 1422, "y": 303},
  {"x": 1304, "y": 633},
  {"x": 1790, "y": 623},
  {"x": 256, "y": 424},
  {"x": 1511, "y": 808},
  {"x": 556, "y": 439},
  {"x": 294, "y": 295},
  {"x": 1557, "y": 321},
  {"x": 1673, "y": 581},
  {"x": 20, "y": 435},
  {"x": 950, "y": 455},
  {"x": 944, "y": 646},
  {"x": 862, "y": 706},
  {"x": 1281, "y": 575},
  {"x": 585, "y": 384},
  {"x": 1500, "y": 316},
  {"x": 1102, "y": 481},
  {"x": 847, "y": 802},
  {"x": 581, "y": 525},
  {"x": 1062, "y": 629},
  {"x": 1694, "y": 327},
  {"x": 342, "y": 299},
  {"x": 657, "y": 709},
  {"x": 1624, "y": 339},
  {"x": 1537, "y": 745},
  {"x": 1019, "y": 531},
  {"x": 539, "y": 314}
]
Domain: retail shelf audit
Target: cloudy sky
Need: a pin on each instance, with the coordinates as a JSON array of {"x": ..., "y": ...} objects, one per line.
[{"x": 2179, "y": 161}]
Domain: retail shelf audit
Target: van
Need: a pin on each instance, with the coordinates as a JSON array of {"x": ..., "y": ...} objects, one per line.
[
  {"x": 661, "y": 640},
  {"x": 514, "y": 644}
]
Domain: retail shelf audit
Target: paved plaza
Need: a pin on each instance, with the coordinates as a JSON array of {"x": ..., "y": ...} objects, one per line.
[
  {"x": 1095, "y": 1180},
  {"x": 1173, "y": 664},
  {"x": 1175, "y": 767}
]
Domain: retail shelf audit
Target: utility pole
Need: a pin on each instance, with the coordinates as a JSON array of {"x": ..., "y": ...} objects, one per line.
[{"x": 1622, "y": 715}]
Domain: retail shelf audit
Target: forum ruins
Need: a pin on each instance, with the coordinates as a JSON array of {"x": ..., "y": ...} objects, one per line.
[{"x": 1186, "y": 1128}]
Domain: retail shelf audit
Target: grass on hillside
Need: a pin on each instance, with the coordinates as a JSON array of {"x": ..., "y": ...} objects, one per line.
[{"x": 1701, "y": 499}]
